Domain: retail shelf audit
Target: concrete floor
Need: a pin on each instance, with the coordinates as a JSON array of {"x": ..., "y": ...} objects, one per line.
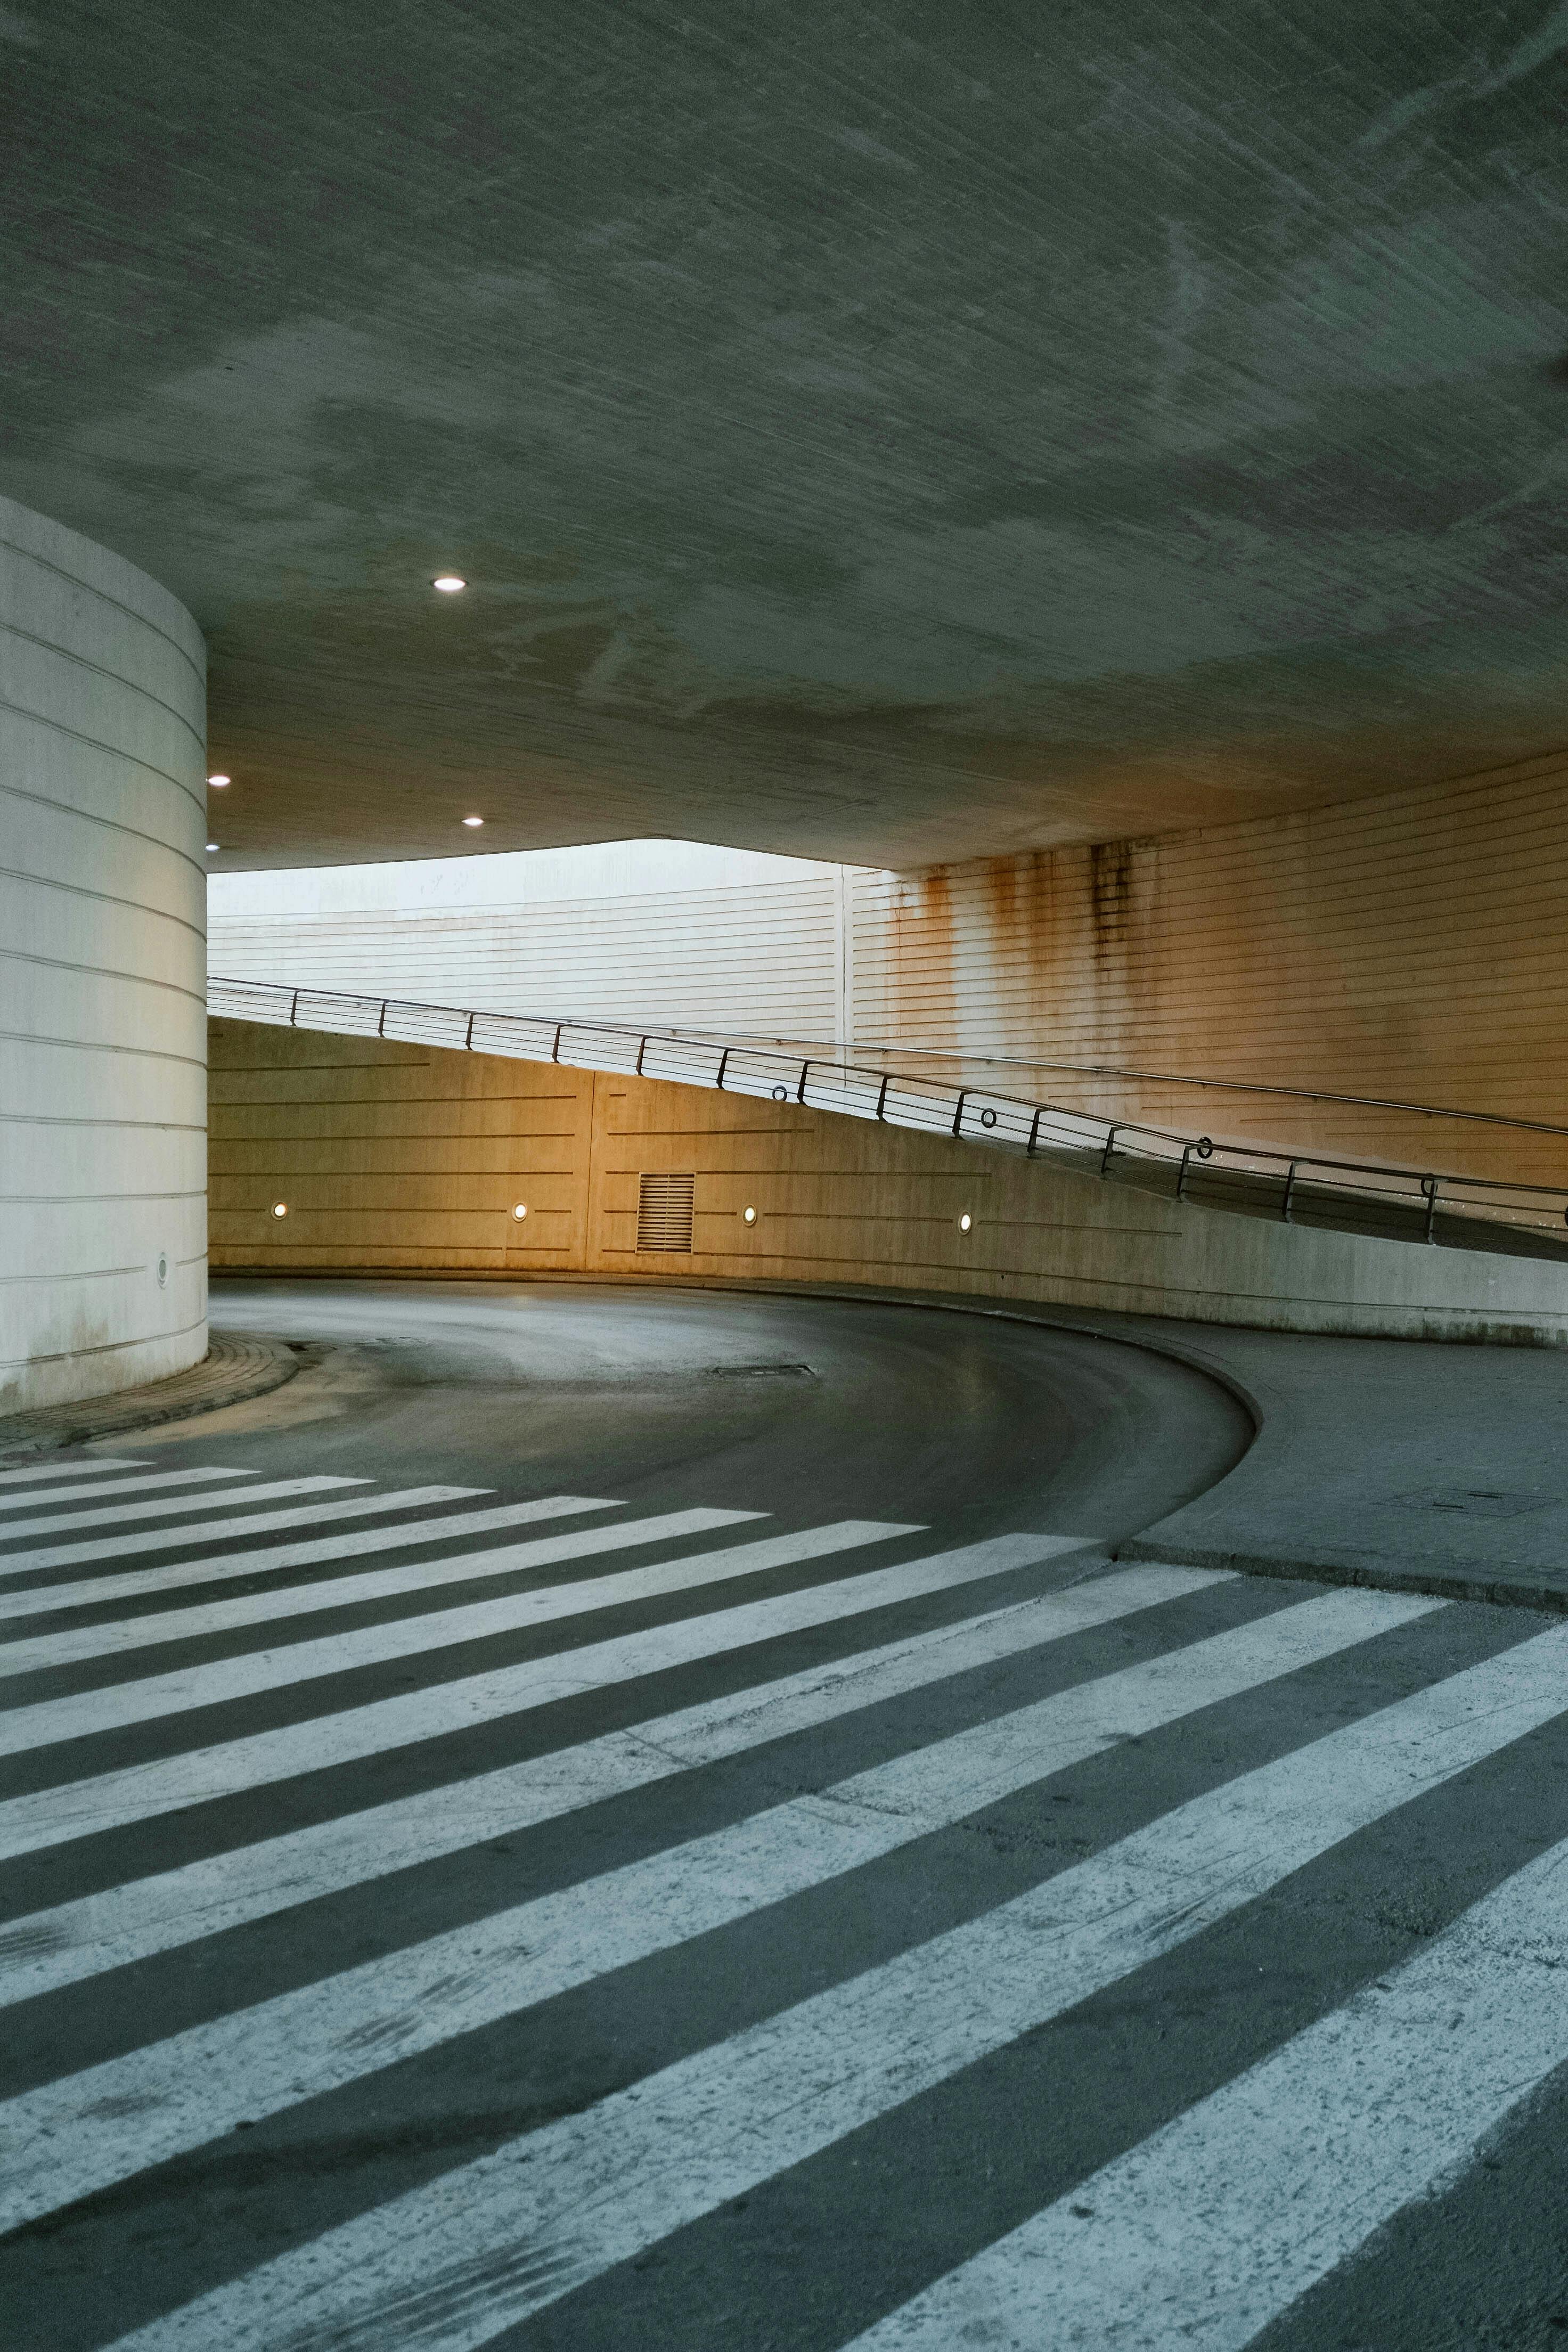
[{"x": 417, "y": 1942}]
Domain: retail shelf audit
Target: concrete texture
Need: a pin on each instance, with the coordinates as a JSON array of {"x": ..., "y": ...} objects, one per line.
[
  {"x": 102, "y": 973},
  {"x": 893, "y": 438},
  {"x": 1414, "y": 1468},
  {"x": 396, "y": 1157},
  {"x": 233, "y": 1370}
]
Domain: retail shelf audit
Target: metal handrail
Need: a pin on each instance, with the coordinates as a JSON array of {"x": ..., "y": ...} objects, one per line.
[
  {"x": 969, "y": 1061},
  {"x": 1204, "y": 1168}
]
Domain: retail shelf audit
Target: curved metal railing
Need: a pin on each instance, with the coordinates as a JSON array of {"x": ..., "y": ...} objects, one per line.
[{"x": 1307, "y": 1188}]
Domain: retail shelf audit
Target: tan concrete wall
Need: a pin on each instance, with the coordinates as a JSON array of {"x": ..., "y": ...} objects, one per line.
[
  {"x": 396, "y": 1157},
  {"x": 1412, "y": 945}
]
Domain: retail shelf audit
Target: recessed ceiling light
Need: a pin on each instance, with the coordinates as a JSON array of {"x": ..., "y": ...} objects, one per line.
[
  {"x": 219, "y": 780},
  {"x": 447, "y": 583},
  {"x": 211, "y": 846},
  {"x": 279, "y": 1208},
  {"x": 520, "y": 1210},
  {"x": 750, "y": 1215},
  {"x": 965, "y": 1221},
  {"x": 473, "y": 820}
]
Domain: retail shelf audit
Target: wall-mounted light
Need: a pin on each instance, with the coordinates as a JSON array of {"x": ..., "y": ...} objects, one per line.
[
  {"x": 520, "y": 1211},
  {"x": 279, "y": 1208},
  {"x": 218, "y": 782},
  {"x": 750, "y": 1215},
  {"x": 965, "y": 1221},
  {"x": 448, "y": 582},
  {"x": 473, "y": 820}
]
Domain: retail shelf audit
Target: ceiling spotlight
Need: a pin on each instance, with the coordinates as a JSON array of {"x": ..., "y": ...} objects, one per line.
[
  {"x": 750, "y": 1215},
  {"x": 473, "y": 820},
  {"x": 279, "y": 1208},
  {"x": 965, "y": 1221},
  {"x": 219, "y": 781},
  {"x": 521, "y": 1211},
  {"x": 447, "y": 583},
  {"x": 211, "y": 846}
]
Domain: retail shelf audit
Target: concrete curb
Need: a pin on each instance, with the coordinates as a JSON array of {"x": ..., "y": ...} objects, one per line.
[
  {"x": 233, "y": 1369},
  {"x": 1443, "y": 1583}
]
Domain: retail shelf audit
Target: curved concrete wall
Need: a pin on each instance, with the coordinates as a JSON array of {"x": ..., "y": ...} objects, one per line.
[
  {"x": 390, "y": 1156},
  {"x": 103, "y": 972}
]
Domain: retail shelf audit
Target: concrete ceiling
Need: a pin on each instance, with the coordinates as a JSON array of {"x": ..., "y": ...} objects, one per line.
[{"x": 890, "y": 433}]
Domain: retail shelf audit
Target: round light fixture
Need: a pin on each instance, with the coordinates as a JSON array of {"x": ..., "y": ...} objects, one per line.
[
  {"x": 218, "y": 782},
  {"x": 448, "y": 582},
  {"x": 473, "y": 820},
  {"x": 750, "y": 1215},
  {"x": 965, "y": 1221},
  {"x": 279, "y": 1208},
  {"x": 520, "y": 1210},
  {"x": 211, "y": 846}
]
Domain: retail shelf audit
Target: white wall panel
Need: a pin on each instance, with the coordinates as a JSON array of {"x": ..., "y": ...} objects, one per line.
[{"x": 103, "y": 972}]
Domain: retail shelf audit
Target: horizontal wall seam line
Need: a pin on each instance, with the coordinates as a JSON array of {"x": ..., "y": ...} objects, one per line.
[
  {"x": 115, "y": 677},
  {"x": 90, "y": 588}
]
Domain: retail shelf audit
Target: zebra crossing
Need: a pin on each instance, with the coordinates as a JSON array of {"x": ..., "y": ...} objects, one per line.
[{"x": 611, "y": 1910}]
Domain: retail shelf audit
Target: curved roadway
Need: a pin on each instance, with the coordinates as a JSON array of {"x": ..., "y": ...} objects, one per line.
[
  {"x": 745, "y": 1880},
  {"x": 766, "y": 1401}
]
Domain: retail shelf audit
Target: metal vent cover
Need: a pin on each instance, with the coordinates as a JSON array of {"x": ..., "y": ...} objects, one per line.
[{"x": 664, "y": 1213}]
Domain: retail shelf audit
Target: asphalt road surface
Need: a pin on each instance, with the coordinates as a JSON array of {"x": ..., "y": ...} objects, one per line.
[{"x": 651, "y": 1819}]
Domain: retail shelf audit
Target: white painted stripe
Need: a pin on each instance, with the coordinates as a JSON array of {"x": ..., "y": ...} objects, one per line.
[
  {"x": 196, "y": 1617},
  {"x": 106, "y": 1709},
  {"x": 54, "y": 1469},
  {"x": 46, "y": 1949},
  {"x": 109, "y": 1801},
  {"x": 215, "y": 1568},
  {"x": 35, "y": 1499},
  {"x": 121, "y": 1515},
  {"x": 451, "y": 2265},
  {"x": 82, "y": 2133},
  {"x": 1205, "y": 2232}
]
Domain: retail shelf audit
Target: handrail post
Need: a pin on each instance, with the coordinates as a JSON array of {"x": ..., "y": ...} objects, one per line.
[
  {"x": 468, "y": 1039},
  {"x": 1289, "y": 1189},
  {"x": 294, "y": 1010},
  {"x": 723, "y": 1064},
  {"x": 556, "y": 1049},
  {"x": 1110, "y": 1147},
  {"x": 958, "y": 1114},
  {"x": 380, "y": 1025},
  {"x": 800, "y": 1090},
  {"x": 1034, "y": 1130},
  {"x": 1429, "y": 1186},
  {"x": 1182, "y": 1176},
  {"x": 642, "y": 1049},
  {"x": 882, "y": 1103}
]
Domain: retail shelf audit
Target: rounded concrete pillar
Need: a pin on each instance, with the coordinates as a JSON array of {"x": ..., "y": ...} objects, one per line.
[{"x": 103, "y": 972}]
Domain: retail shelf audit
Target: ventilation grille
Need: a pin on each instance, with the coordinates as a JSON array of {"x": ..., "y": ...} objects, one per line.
[{"x": 664, "y": 1213}]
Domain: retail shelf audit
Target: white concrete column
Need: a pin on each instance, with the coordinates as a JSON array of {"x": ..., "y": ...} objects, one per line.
[{"x": 103, "y": 972}]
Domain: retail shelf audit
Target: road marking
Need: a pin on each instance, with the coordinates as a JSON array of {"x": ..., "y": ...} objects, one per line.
[
  {"x": 314, "y": 1551},
  {"x": 452, "y": 2264},
  {"x": 121, "y": 1515},
  {"x": 138, "y": 1792},
  {"x": 89, "y": 2130},
  {"x": 195, "y": 1618},
  {"x": 1206, "y": 2231},
  {"x": 68, "y": 1470},
  {"x": 108, "y": 1708},
  {"x": 35, "y": 1500},
  {"x": 49, "y": 1949}
]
